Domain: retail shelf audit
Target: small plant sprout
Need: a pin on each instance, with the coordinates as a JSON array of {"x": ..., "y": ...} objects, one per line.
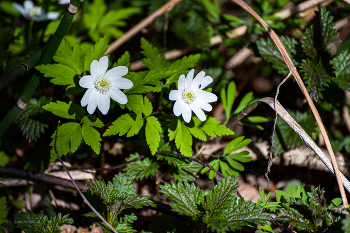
[
  {"x": 102, "y": 85},
  {"x": 190, "y": 96},
  {"x": 35, "y": 13}
]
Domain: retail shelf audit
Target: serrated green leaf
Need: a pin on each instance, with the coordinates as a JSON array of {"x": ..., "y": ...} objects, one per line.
[
  {"x": 59, "y": 74},
  {"x": 153, "y": 131},
  {"x": 188, "y": 173},
  {"x": 93, "y": 121},
  {"x": 154, "y": 61},
  {"x": 68, "y": 111},
  {"x": 32, "y": 120},
  {"x": 186, "y": 197},
  {"x": 211, "y": 127},
  {"x": 182, "y": 136},
  {"x": 315, "y": 77},
  {"x": 72, "y": 58},
  {"x": 141, "y": 169},
  {"x": 269, "y": 52},
  {"x": 139, "y": 105},
  {"x": 68, "y": 139},
  {"x": 341, "y": 65},
  {"x": 92, "y": 138},
  {"x": 96, "y": 51},
  {"x": 146, "y": 81},
  {"x": 124, "y": 60},
  {"x": 129, "y": 123}
]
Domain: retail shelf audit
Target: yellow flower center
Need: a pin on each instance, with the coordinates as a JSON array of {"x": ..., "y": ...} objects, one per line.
[
  {"x": 188, "y": 96},
  {"x": 103, "y": 84},
  {"x": 35, "y": 11}
]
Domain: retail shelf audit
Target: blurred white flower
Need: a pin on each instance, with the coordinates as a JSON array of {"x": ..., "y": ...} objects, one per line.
[
  {"x": 36, "y": 13},
  {"x": 64, "y": 2},
  {"x": 191, "y": 97},
  {"x": 102, "y": 85}
]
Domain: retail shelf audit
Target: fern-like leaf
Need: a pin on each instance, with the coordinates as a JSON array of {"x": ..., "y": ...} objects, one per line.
[{"x": 341, "y": 65}]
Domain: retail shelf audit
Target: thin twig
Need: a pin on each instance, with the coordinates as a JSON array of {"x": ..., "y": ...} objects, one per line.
[
  {"x": 296, "y": 75},
  {"x": 81, "y": 194},
  {"x": 141, "y": 25}
]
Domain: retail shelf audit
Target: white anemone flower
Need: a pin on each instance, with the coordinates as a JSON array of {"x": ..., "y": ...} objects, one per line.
[
  {"x": 32, "y": 12},
  {"x": 190, "y": 96},
  {"x": 102, "y": 85}
]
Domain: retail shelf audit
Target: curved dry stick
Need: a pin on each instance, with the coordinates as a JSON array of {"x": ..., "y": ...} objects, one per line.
[
  {"x": 81, "y": 194},
  {"x": 296, "y": 75},
  {"x": 296, "y": 127},
  {"x": 141, "y": 25}
]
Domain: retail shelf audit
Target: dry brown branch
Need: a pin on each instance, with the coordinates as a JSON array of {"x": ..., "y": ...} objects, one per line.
[
  {"x": 296, "y": 127},
  {"x": 141, "y": 25},
  {"x": 297, "y": 77}
]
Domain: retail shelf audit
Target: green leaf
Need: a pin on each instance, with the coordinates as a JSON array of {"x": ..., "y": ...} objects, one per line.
[
  {"x": 68, "y": 139},
  {"x": 124, "y": 60},
  {"x": 188, "y": 173},
  {"x": 234, "y": 21},
  {"x": 286, "y": 138},
  {"x": 211, "y": 127},
  {"x": 96, "y": 51},
  {"x": 246, "y": 100},
  {"x": 228, "y": 100},
  {"x": 60, "y": 74},
  {"x": 186, "y": 197},
  {"x": 269, "y": 52},
  {"x": 182, "y": 136},
  {"x": 215, "y": 164},
  {"x": 68, "y": 111},
  {"x": 315, "y": 77},
  {"x": 154, "y": 61},
  {"x": 4, "y": 159},
  {"x": 153, "y": 131},
  {"x": 139, "y": 105},
  {"x": 94, "y": 13},
  {"x": 320, "y": 35},
  {"x": 33, "y": 120},
  {"x": 92, "y": 138},
  {"x": 129, "y": 123},
  {"x": 141, "y": 169},
  {"x": 341, "y": 65},
  {"x": 93, "y": 121},
  {"x": 236, "y": 144},
  {"x": 72, "y": 58},
  {"x": 146, "y": 81}
]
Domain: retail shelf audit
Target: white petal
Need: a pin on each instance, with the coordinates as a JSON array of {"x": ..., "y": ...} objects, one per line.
[
  {"x": 204, "y": 105},
  {"x": 198, "y": 111},
  {"x": 92, "y": 105},
  {"x": 27, "y": 5},
  {"x": 63, "y": 2},
  {"x": 118, "y": 95},
  {"x": 122, "y": 83},
  {"x": 186, "y": 113},
  {"x": 197, "y": 81},
  {"x": 206, "y": 96},
  {"x": 87, "y": 81},
  {"x": 206, "y": 81},
  {"x": 181, "y": 83},
  {"x": 104, "y": 103},
  {"x": 52, "y": 15},
  {"x": 102, "y": 66},
  {"x": 189, "y": 79},
  {"x": 174, "y": 95},
  {"x": 118, "y": 71},
  {"x": 18, "y": 7},
  {"x": 93, "y": 69},
  {"x": 85, "y": 100},
  {"x": 177, "y": 109}
]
